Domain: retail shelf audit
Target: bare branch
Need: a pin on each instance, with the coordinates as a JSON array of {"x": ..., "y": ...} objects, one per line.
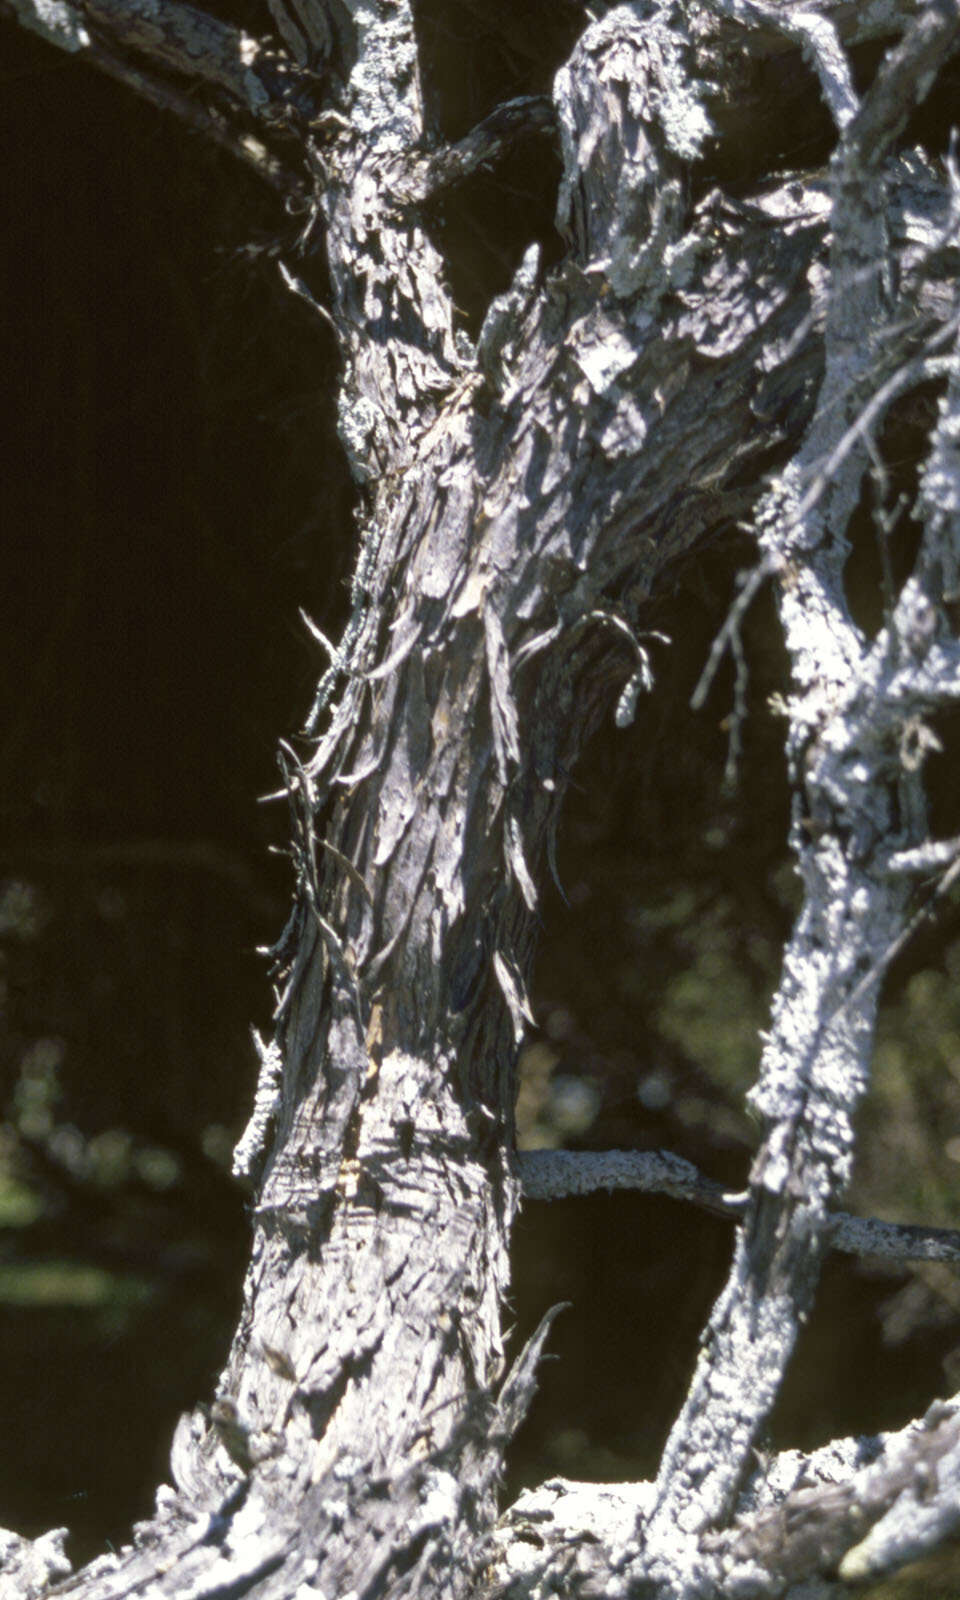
[
  {"x": 560, "y": 1174},
  {"x": 845, "y": 708},
  {"x": 855, "y": 1509},
  {"x": 176, "y": 36},
  {"x": 767, "y": 29},
  {"x": 139, "y": 43},
  {"x": 818, "y": 39},
  {"x": 890, "y": 1512},
  {"x": 750, "y": 583},
  {"x": 903, "y": 81},
  {"x": 892, "y": 1241},
  {"x": 60, "y": 22},
  {"x": 484, "y": 144},
  {"x": 190, "y": 42},
  {"x": 612, "y": 416},
  {"x": 246, "y": 146}
]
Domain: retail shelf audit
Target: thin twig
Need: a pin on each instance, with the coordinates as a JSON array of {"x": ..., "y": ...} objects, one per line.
[
  {"x": 751, "y": 582},
  {"x": 926, "y": 911}
]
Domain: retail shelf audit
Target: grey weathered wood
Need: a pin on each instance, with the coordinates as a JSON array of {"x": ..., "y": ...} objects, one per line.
[
  {"x": 521, "y": 506},
  {"x": 558, "y": 1174}
]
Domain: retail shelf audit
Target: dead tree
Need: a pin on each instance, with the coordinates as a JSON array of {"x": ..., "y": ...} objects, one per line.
[{"x": 698, "y": 358}]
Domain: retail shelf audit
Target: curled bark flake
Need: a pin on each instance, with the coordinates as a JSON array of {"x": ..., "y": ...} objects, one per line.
[
  {"x": 251, "y": 1146},
  {"x": 503, "y": 709},
  {"x": 514, "y": 992}
]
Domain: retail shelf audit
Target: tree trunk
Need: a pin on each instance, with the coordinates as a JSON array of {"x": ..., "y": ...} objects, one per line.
[{"x": 523, "y": 504}]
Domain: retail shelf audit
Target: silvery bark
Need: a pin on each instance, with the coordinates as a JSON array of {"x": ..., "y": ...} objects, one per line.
[{"x": 523, "y": 503}]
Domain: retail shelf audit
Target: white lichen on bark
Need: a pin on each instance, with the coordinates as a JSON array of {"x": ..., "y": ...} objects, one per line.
[{"x": 622, "y": 408}]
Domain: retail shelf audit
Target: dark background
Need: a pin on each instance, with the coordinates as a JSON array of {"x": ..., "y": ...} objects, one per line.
[{"x": 172, "y": 492}]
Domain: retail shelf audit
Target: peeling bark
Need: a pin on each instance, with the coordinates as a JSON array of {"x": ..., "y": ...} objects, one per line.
[{"x": 690, "y": 363}]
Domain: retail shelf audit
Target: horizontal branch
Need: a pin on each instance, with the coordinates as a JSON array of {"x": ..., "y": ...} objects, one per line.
[{"x": 560, "y": 1174}]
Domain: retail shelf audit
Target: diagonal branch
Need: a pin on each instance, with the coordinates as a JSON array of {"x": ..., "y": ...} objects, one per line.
[
  {"x": 166, "y": 53},
  {"x": 206, "y": 120},
  {"x": 196, "y": 45},
  {"x": 484, "y": 144}
]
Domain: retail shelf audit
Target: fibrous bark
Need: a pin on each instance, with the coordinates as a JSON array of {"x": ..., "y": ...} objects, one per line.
[{"x": 693, "y": 360}]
